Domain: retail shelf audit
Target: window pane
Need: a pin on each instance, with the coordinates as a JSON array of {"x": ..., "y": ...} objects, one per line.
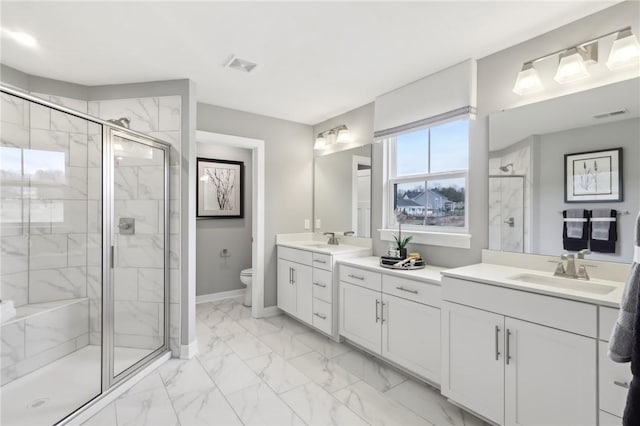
[
  {"x": 450, "y": 147},
  {"x": 409, "y": 199},
  {"x": 412, "y": 153},
  {"x": 445, "y": 202}
]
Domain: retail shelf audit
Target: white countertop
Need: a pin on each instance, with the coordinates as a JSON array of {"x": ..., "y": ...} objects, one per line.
[
  {"x": 430, "y": 274},
  {"x": 323, "y": 247},
  {"x": 500, "y": 275}
]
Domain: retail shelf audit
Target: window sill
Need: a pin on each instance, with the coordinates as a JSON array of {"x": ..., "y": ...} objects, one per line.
[{"x": 442, "y": 239}]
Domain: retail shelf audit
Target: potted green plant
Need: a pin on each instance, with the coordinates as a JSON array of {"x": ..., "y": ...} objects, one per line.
[{"x": 401, "y": 243}]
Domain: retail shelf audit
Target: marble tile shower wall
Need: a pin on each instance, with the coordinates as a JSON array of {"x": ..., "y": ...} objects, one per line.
[
  {"x": 50, "y": 240},
  {"x": 504, "y": 201},
  {"x": 138, "y": 273}
]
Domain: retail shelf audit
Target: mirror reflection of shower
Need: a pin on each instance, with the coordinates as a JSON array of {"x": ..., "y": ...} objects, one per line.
[
  {"x": 507, "y": 168},
  {"x": 507, "y": 212}
]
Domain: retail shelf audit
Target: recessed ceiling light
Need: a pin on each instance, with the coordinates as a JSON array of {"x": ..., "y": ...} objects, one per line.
[
  {"x": 240, "y": 64},
  {"x": 22, "y": 38}
]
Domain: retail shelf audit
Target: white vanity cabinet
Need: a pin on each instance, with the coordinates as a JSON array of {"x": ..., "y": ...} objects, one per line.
[
  {"x": 519, "y": 358},
  {"x": 295, "y": 283},
  {"x": 306, "y": 283},
  {"x": 389, "y": 316}
]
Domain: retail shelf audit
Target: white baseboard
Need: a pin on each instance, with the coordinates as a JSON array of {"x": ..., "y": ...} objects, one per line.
[
  {"x": 213, "y": 297},
  {"x": 271, "y": 311},
  {"x": 189, "y": 351}
]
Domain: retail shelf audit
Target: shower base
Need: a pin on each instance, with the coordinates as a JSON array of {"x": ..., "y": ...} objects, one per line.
[{"x": 52, "y": 392}]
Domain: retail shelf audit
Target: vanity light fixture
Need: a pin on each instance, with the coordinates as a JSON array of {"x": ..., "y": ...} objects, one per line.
[
  {"x": 27, "y": 40},
  {"x": 528, "y": 80},
  {"x": 625, "y": 50},
  {"x": 338, "y": 134},
  {"x": 573, "y": 61}
]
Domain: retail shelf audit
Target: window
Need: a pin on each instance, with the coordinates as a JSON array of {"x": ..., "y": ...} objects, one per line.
[{"x": 427, "y": 177}]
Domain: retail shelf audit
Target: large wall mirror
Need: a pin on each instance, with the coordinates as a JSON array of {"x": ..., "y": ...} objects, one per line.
[
  {"x": 528, "y": 175},
  {"x": 342, "y": 192}
]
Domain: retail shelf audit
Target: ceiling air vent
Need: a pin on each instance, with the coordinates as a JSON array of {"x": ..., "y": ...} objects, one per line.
[
  {"x": 240, "y": 64},
  {"x": 610, "y": 114}
]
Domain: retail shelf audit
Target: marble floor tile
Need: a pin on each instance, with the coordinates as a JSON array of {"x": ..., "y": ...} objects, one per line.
[
  {"x": 210, "y": 345},
  {"x": 284, "y": 323},
  {"x": 196, "y": 399},
  {"x": 247, "y": 346},
  {"x": 258, "y": 326},
  {"x": 105, "y": 417},
  {"x": 285, "y": 344},
  {"x": 368, "y": 368},
  {"x": 147, "y": 403},
  {"x": 430, "y": 404},
  {"x": 324, "y": 371},
  {"x": 229, "y": 373},
  {"x": 316, "y": 406},
  {"x": 325, "y": 346},
  {"x": 278, "y": 373},
  {"x": 375, "y": 408},
  {"x": 259, "y": 405}
]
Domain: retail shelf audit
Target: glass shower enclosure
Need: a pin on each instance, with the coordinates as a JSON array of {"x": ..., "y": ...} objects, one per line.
[{"x": 84, "y": 260}]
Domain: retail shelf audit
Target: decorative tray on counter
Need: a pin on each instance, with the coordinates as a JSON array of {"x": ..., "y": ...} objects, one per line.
[{"x": 419, "y": 264}]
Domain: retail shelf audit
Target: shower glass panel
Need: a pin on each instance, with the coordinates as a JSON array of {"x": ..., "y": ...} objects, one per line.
[
  {"x": 50, "y": 263},
  {"x": 139, "y": 240},
  {"x": 506, "y": 213}
]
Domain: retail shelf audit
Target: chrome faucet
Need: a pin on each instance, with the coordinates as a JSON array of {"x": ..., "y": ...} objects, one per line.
[
  {"x": 333, "y": 240},
  {"x": 570, "y": 270},
  {"x": 347, "y": 233}
]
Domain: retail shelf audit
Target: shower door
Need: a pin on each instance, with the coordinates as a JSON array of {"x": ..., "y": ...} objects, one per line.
[{"x": 139, "y": 239}]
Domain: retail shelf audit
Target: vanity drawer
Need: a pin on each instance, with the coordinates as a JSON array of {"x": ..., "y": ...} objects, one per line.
[
  {"x": 322, "y": 284},
  {"x": 295, "y": 255},
  {"x": 613, "y": 378},
  {"x": 417, "y": 291},
  {"x": 361, "y": 277},
  {"x": 322, "y": 315},
  {"x": 608, "y": 318},
  {"x": 322, "y": 261}
]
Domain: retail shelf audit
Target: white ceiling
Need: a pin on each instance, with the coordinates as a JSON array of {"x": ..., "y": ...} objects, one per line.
[{"x": 315, "y": 59}]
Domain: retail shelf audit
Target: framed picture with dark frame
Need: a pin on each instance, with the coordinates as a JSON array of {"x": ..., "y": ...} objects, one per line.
[
  {"x": 593, "y": 177},
  {"x": 220, "y": 188}
]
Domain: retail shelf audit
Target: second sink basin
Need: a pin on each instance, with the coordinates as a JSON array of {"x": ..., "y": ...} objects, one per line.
[{"x": 565, "y": 283}]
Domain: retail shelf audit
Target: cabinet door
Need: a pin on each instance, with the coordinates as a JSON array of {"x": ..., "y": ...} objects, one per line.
[
  {"x": 360, "y": 316},
  {"x": 550, "y": 376},
  {"x": 286, "y": 289},
  {"x": 302, "y": 278},
  {"x": 411, "y": 336},
  {"x": 472, "y": 359}
]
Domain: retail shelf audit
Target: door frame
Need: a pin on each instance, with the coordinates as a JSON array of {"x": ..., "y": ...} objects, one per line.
[{"x": 257, "y": 209}]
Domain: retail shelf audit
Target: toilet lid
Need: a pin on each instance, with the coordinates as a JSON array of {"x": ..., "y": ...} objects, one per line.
[{"x": 246, "y": 272}]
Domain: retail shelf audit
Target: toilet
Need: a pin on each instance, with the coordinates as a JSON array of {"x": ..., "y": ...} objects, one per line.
[{"x": 245, "y": 278}]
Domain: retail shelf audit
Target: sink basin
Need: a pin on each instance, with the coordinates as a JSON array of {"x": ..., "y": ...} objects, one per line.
[{"x": 565, "y": 283}]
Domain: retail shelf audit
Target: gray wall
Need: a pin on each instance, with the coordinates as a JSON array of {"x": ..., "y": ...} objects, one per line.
[
  {"x": 288, "y": 174},
  {"x": 548, "y": 193},
  {"x": 213, "y": 272}
]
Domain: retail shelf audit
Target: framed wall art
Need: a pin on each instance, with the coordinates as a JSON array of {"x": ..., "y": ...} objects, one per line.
[
  {"x": 220, "y": 188},
  {"x": 594, "y": 176}
]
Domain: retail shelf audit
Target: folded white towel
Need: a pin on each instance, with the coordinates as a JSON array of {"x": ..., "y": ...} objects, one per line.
[{"x": 636, "y": 254}]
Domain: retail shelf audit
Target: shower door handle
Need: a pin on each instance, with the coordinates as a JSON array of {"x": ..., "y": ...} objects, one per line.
[{"x": 511, "y": 222}]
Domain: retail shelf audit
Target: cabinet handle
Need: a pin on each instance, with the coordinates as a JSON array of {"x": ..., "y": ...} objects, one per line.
[
  {"x": 290, "y": 279},
  {"x": 377, "y": 316},
  {"x": 324, "y": 317},
  {"x": 320, "y": 285},
  {"x": 497, "y": 344},
  {"x": 621, "y": 384},
  {"x": 357, "y": 277},
  {"x": 382, "y": 312},
  {"x": 320, "y": 261},
  {"x": 408, "y": 290},
  {"x": 508, "y": 351}
]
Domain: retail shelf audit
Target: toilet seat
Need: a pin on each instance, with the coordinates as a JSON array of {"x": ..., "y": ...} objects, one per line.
[{"x": 246, "y": 272}]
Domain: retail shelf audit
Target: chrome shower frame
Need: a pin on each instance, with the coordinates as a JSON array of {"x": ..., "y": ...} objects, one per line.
[{"x": 111, "y": 382}]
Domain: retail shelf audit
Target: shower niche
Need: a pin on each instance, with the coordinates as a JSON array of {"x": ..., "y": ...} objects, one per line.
[{"x": 90, "y": 302}]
